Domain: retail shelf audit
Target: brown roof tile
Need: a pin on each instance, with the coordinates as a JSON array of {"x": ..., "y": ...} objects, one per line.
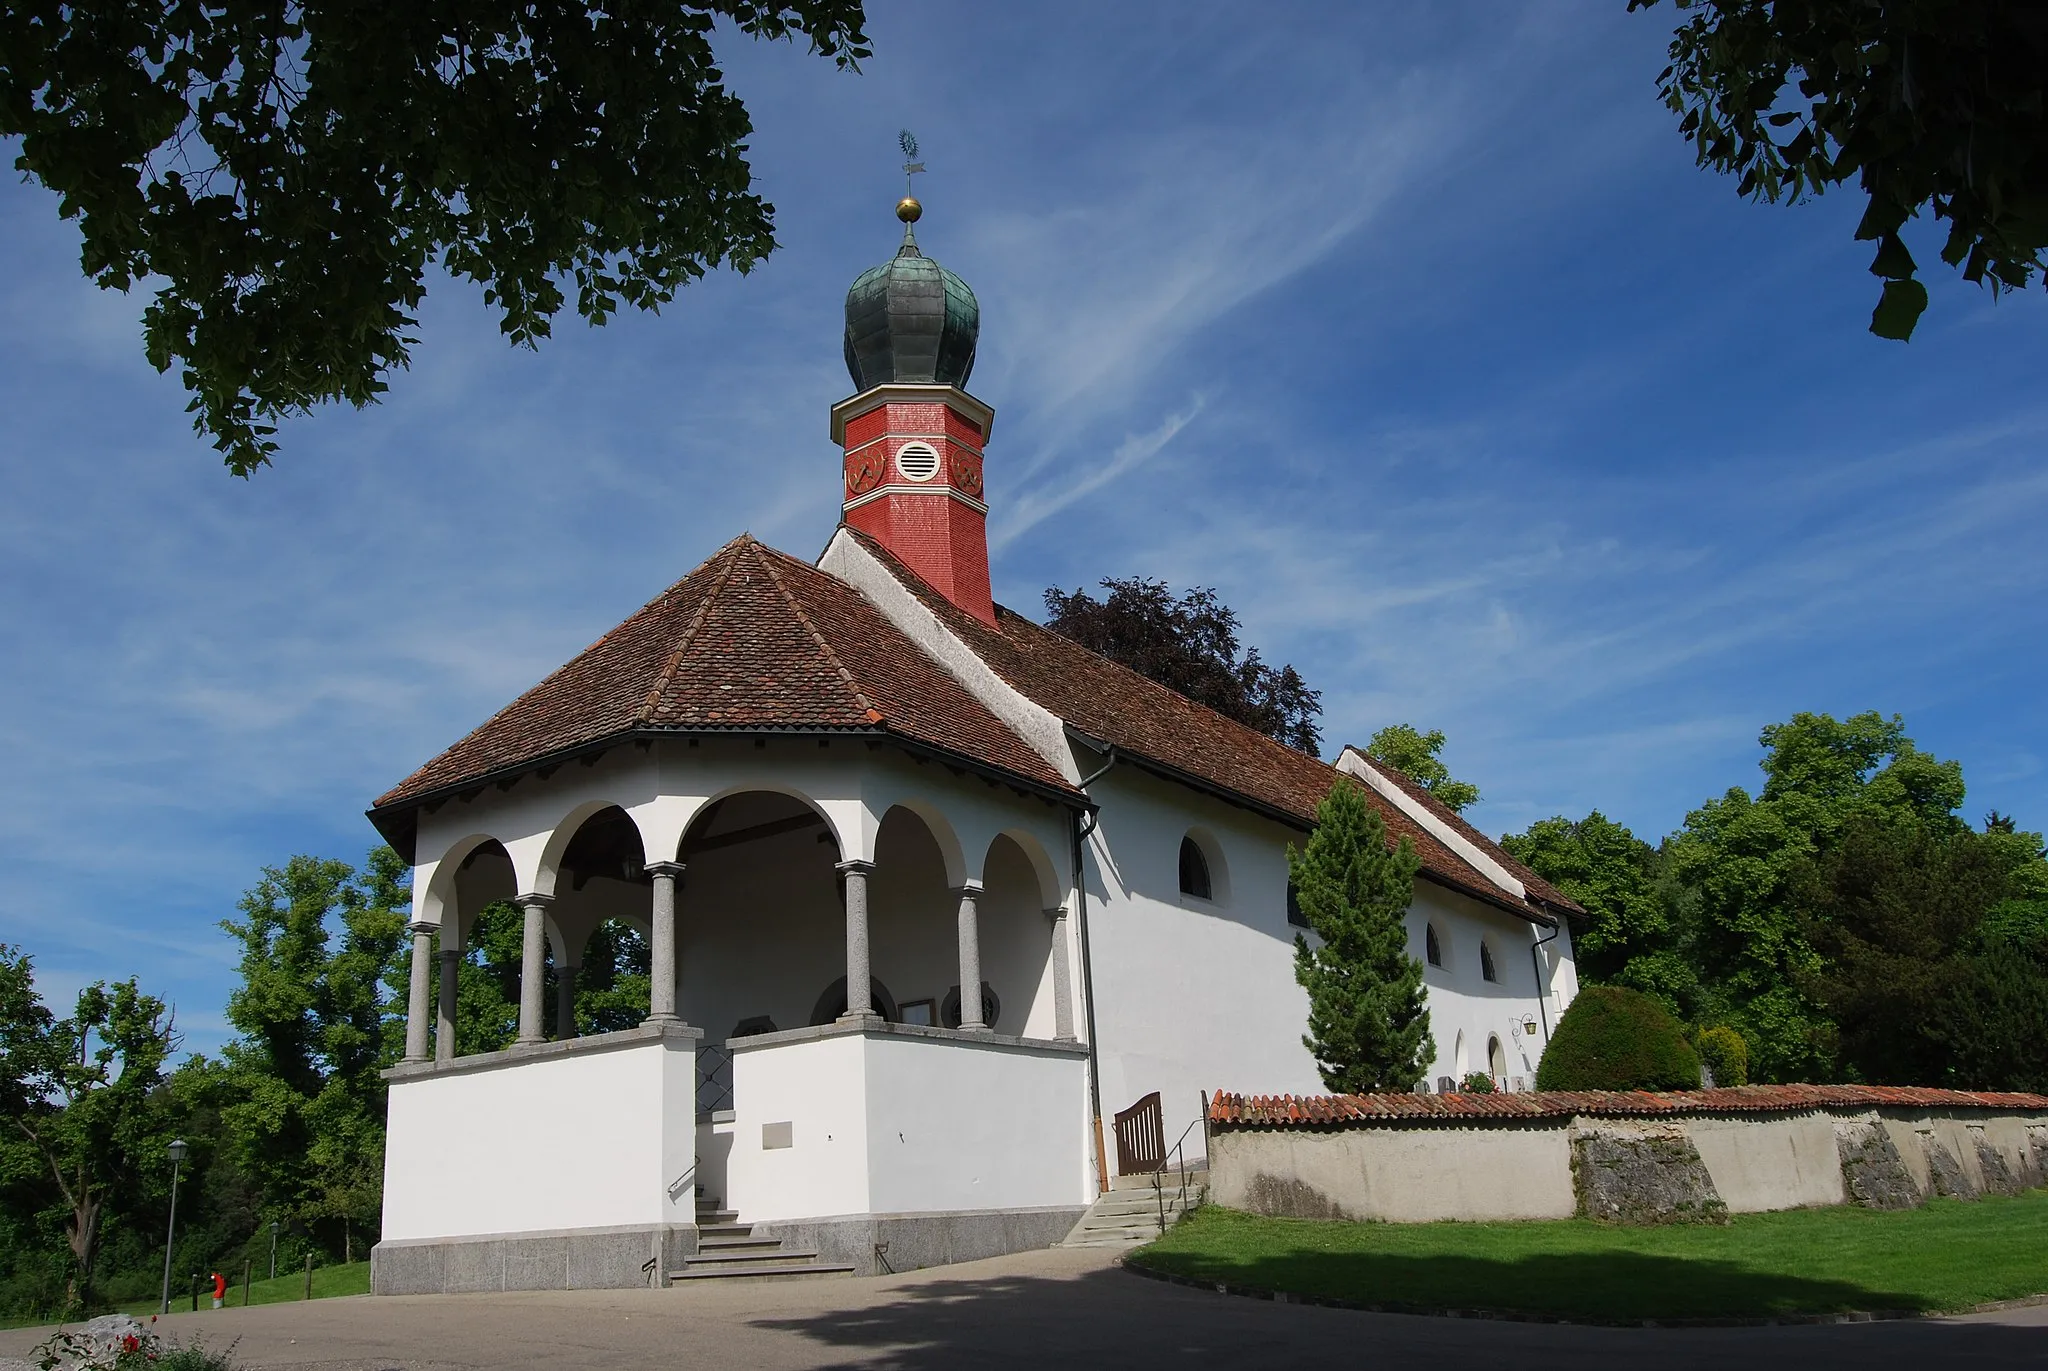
[
  {"x": 1325, "y": 1111},
  {"x": 752, "y": 639},
  {"x": 1110, "y": 701}
]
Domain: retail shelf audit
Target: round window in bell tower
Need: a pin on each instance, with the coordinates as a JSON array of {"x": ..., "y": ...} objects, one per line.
[{"x": 917, "y": 461}]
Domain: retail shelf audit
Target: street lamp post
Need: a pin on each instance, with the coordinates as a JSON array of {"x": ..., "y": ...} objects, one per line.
[
  {"x": 273, "y": 1249},
  {"x": 177, "y": 1151}
]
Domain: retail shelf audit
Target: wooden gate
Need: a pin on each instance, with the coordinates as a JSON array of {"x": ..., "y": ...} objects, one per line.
[{"x": 1141, "y": 1138}]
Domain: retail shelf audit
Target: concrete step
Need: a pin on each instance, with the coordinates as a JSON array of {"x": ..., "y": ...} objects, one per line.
[
  {"x": 712, "y": 1217},
  {"x": 737, "y": 1261},
  {"x": 1124, "y": 1218},
  {"x": 707, "y": 1246},
  {"x": 764, "y": 1271},
  {"x": 1169, "y": 1179},
  {"x": 723, "y": 1230}
]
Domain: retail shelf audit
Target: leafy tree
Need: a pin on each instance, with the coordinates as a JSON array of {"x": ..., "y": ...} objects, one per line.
[
  {"x": 1723, "y": 1052},
  {"x": 1614, "y": 875},
  {"x": 611, "y": 985},
  {"x": 1925, "y": 986},
  {"x": 283, "y": 174},
  {"x": 1614, "y": 1038},
  {"x": 1189, "y": 644},
  {"x": 1928, "y": 104},
  {"x": 1368, "y": 1015},
  {"x": 81, "y": 1092},
  {"x": 1736, "y": 859},
  {"x": 309, "y": 1127},
  {"x": 1415, "y": 754}
]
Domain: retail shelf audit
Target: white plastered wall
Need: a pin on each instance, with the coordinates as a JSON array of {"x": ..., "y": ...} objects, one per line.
[
  {"x": 850, "y": 1123},
  {"x": 598, "y": 1139},
  {"x": 1195, "y": 995}
]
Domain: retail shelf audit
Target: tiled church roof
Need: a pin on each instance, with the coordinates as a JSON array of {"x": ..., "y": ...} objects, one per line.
[
  {"x": 1338, "y": 1111},
  {"x": 751, "y": 640},
  {"x": 1111, "y": 702}
]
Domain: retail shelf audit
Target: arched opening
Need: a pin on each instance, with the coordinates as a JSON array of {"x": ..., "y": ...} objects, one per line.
[
  {"x": 1496, "y": 1057},
  {"x": 1194, "y": 870},
  {"x": 482, "y": 921},
  {"x": 1432, "y": 948},
  {"x": 1016, "y": 941},
  {"x": 760, "y": 915},
  {"x": 1461, "y": 1060},
  {"x": 598, "y": 925},
  {"x": 1487, "y": 970}
]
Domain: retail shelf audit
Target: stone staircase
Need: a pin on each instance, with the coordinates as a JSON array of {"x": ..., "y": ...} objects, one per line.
[
  {"x": 727, "y": 1250},
  {"x": 1130, "y": 1213}
]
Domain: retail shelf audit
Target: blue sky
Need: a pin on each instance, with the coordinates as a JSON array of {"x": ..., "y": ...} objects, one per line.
[{"x": 1419, "y": 336}]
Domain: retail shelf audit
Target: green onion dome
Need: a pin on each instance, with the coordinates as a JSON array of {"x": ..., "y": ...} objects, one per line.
[{"x": 909, "y": 320}]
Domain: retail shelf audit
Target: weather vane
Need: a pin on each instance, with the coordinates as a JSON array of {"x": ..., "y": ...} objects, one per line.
[{"x": 907, "y": 209}]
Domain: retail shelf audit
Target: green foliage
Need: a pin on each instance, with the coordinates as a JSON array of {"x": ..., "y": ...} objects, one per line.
[
  {"x": 1723, "y": 1052},
  {"x": 308, "y": 1125},
  {"x": 1414, "y": 754},
  {"x": 284, "y": 175},
  {"x": 1614, "y": 875},
  {"x": 1614, "y": 1038},
  {"x": 1189, "y": 644},
  {"x": 81, "y": 1094},
  {"x": 1477, "y": 1083},
  {"x": 1368, "y": 1015},
  {"x": 1936, "y": 105},
  {"x": 1995, "y": 1019}
]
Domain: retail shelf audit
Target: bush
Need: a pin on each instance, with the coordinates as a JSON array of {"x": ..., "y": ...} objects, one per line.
[
  {"x": 1613, "y": 1038},
  {"x": 1723, "y": 1052},
  {"x": 1478, "y": 1083}
]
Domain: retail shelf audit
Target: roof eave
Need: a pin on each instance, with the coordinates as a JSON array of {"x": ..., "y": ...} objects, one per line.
[
  {"x": 398, "y": 821},
  {"x": 1167, "y": 771}
]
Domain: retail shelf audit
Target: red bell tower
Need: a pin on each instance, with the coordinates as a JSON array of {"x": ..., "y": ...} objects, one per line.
[
  {"x": 912, "y": 437},
  {"x": 913, "y": 483}
]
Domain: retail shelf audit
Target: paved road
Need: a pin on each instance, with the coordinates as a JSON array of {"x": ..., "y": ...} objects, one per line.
[{"x": 1057, "y": 1309}]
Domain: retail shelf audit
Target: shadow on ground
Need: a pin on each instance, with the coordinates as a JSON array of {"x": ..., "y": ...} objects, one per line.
[
  {"x": 1599, "y": 1287},
  {"x": 1118, "y": 1319}
]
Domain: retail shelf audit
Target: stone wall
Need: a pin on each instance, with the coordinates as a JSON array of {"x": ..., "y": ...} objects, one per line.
[{"x": 1683, "y": 1157}]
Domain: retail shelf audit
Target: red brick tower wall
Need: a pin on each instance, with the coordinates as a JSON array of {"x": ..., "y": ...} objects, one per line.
[{"x": 937, "y": 527}]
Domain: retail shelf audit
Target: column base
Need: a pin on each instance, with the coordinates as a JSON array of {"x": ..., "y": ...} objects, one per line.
[
  {"x": 867, "y": 1020},
  {"x": 663, "y": 1018}
]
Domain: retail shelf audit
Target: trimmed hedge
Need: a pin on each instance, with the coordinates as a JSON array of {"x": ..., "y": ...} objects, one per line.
[
  {"x": 1724, "y": 1052},
  {"x": 1613, "y": 1038}
]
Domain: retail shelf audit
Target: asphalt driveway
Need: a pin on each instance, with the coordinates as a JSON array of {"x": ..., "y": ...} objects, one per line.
[{"x": 1055, "y": 1309}]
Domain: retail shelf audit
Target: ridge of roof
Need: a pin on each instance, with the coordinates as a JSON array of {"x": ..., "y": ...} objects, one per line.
[
  {"x": 860, "y": 697},
  {"x": 1415, "y": 790},
  {"x": 696, "y": 624},
  {"x": 1219, "y": 752}
]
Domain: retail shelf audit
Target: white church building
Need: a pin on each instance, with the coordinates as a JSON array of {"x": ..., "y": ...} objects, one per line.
[{"x": 931, "y": 893}]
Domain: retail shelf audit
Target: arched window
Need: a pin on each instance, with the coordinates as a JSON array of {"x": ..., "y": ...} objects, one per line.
[
  {"x": 1294, "y": 914},
  {"x": 1487, "y": 970},
  {"x": 1431, "y": 948},
  {"x": 1194, "y": 870},
  {"x": 1496, "y": 1057}
]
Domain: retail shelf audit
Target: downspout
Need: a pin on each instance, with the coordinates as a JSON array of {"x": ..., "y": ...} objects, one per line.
[
  {"x": 1542, "y": 993},
  {"x": 1082, "y": 828}
]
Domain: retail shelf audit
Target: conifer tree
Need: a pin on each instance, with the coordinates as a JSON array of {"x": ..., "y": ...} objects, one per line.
[{"x": 1368, "y": 1023}]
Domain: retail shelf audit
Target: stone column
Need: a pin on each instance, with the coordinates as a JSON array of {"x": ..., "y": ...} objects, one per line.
[
  {"x": 661, "y": 947},
  {"x": 565, "y": 1001},
  {"x": 970, "y": 958},
  {"x": 533, "y": 963},
  {"x": 860, "y": 1005},
  {"x": 1062, "y": 982},
  {"x": 451, "y": 974},
  {"x": 416, "y": 1002}
]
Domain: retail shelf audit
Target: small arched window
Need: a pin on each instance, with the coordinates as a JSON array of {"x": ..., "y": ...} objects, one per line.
[
  {"x": 1487, "y": 970},
  {"x": 1431, "y": 948},
  {"x": 1294, "y": 914},
  {"x": 1496, "y": 1057},
  {"x": 1194, "y": 871}
]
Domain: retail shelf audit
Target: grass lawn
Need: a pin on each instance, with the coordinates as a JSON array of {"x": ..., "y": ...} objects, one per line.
[
  {"x": 350, "y": 1279},
  {"x": 1950, "y": 1255}
]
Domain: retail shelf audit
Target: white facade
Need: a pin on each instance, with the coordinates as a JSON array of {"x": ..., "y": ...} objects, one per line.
[{"x": 789, "y": 861}]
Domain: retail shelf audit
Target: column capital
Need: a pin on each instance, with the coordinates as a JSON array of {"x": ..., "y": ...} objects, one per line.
[
  {"x": 665, "y": 869},
  {"x": 854, "y": 866},
  {"x": 534, "y": 898},
  {"x": 969, "y": 889},
  {"x": 419, "y": 926},
  {"x": 1055, "y": 912},
  {"x": 451, "y": 953}
]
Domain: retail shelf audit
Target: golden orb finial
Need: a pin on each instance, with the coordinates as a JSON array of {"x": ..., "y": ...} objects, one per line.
[{"x": 908, "y": 210}]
